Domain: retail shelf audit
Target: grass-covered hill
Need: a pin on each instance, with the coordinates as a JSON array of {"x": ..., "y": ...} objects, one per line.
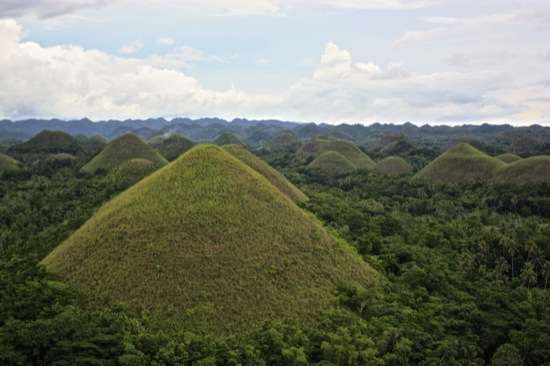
[
  {"x": 208, "y": 243},
  {"x": 272, "y": 175},
  {"x": 132, "y": 171},
  {"x": 124, "y": 148},
  {"x": 46, "y": 142},
  {"x": 228, "y": 138},
  {"x": 393, "y": 165},
  {"x": 508, "y": 157},
  {"x": 156, "y": 141},
  {"x": 461, "y": 163},
  {"x": 7, "y": 163},
  {"x": 284, "y": 140},
  {"x": 535, "y": 169},
  {"x": 332, "y": 163},
  {"x": 174, "y": 146},
  {"x": 350, "y": 151}
]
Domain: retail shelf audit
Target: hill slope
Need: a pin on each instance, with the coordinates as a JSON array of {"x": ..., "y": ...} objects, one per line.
[
  {"x": 393, "y": 165},
  {"x": 272, "y": 175},
  {"x": 461, "y": 163},
  {"x": 535, "y": 169},
  {"x": 332, "y": 163},
  {"x": 321, "y": 144},
  {"x": 284, "y": 140},
  {"x": 207, "y": 243},
  {"x": 508, "y": 157},
  {"x": 7, "y": 163},
  {"x": 174, "y": 146},
  {"x": 47, "y": 142},
  {"x": 122, "y": 149}
]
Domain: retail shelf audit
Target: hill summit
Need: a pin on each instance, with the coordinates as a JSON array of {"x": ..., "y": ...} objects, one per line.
[
  {"x": 347, "y": 149},
  {"x": 122, "y": 149},
  {"x": 461, "y": 163},
  {"x": 208, "y": 243}
]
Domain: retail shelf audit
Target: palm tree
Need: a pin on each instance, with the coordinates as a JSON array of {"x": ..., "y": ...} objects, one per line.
[
  {"x": 545, "y": 271},
  {"x": 530, "y": 248},
  {"x": 528, "y": 275},
  {"x": 511, "y": 247}
]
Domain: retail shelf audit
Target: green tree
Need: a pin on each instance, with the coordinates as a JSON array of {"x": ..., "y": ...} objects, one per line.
[{"x": 507, "y": 355}]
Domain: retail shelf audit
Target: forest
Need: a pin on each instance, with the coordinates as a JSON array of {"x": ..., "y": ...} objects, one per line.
[{"x": 463, "y": 265}]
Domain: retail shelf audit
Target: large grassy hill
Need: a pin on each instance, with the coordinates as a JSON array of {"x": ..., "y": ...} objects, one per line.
[
  {"x": 208, "y": 243},
  {"x": 7, "y": 163},
  {"x": 174, "y": 146},
  {"x": 350, "y": 151},
  {"x": 124, "y": 148},
  {"x": 393, "y": 165},
  {"x": 461, "y": 163},
  {"x": 535, "y": 169},
  {"x": 272, "y": 175},
  {"x": 332, "y": 163},
  {"x": 47, "y": 142}
]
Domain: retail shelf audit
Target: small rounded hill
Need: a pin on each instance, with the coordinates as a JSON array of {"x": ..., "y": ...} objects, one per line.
[
  {"x": 393, "y": 165},
  {"x": 7, "y": 163},
  {"x": 228, "y": 138},
  {"x": 350, "y": 151},
  {"x": 332, "y": 163},
  {"x": 535, "y": 169},
  {"x": 461, "y": 163},
  {"x": 124, "y": 148},
  {"x": 47, "y": 143},
  {"x": 508, "y": 158},
  {"x": 208, "y": 243},
  {"x": 174, "y": 146},
  {"x": 284, "y": 140}
]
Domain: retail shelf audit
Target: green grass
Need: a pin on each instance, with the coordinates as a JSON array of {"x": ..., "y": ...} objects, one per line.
[
  {"x": 332, "y": 163},
  {"x": 508, "y": 158},
  {"x": 61, "y": 156},
  {"x": 393, "y": 165},
  {"x": 535, "y": 169},
  {"x": 98, "y": 139},
  {"x": 284, "y": 140},
  {"x": 350, "y": 151},
  {"x": 126, "y": 147},
  {"x": 156, "y": 141},
  {"x": 272, "y": 175},
  {"x": 132, "y": 171},
  {"x": 208, "y": 243},
  {"x": 461, "y": 163},
  {"x": 228, "y": 138},
  {"x": 48, "y": 142},
  {"x": 7, "y": 163},
  {"x": 174, "y": 146}
]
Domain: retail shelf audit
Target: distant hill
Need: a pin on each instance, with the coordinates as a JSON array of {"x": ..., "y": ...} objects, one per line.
[
  {"x": 393, "y": 165},
  {"x": 122, "y": 149},
  {"x": 461, "y": 163},
  {"x": 272, "y": 175},
  {"x": 132, "y": 171},
  {"x": 7, "y": 163},
  {"x": 508, "y": 157},
  {"x": 535, "y": 169},
  {"x": 208, "y": 243},
  {"x": 284, "y": 140},
  {"x": 321, "y": 144},
  {"x": 228, "y": 138},
  {"x": 174, "y": 146},
  {"x": 46, "y": 143},
  {"x": 332, "y": 163},
  {"x": 156, "y": 141}
]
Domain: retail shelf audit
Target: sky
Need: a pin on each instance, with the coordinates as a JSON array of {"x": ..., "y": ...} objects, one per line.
[{"x": 333, "y": 61}]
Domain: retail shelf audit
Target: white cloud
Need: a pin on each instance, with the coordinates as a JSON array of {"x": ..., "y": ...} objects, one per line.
[
  {"x": 229, "y": 7},
  {"x": 166, "y": 41},
  {"x": 383, "y": 4},
  {"x": 46, "y": 8},
  {"x": 419, "y": 36},
  {"x": 262, "y": 62},
  {"x": 131, "y": 47}
]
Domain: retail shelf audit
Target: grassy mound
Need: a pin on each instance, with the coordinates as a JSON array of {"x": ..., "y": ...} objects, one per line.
[
  {"x": 393, "y": 165},
  {"x": 535, "y": 169},
  {"x": 508, "y": 158},
  {"x": 321, "y": 144},
  {"x": 332, "y": 163},
  {"x": 461, "y": 163},
  {"x": 61, "y": 157},
  {"x": 284, "y": 140},
  {"x": 174, "y": 146},
  {"x": 272, "y": 175},
  {"x": 7, "y": 163},
  {"x": 124, "y": 148},
  {"x": 156, "y": 141},
  {"x": 132, "y": 171},
  {"x": 208, "y": 243},
  {"x": 228, "y": 138},
  {"x": 47, "y": 142}
]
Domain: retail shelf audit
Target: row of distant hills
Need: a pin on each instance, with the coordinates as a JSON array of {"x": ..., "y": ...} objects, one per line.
[{"x": 257, "y": 133}]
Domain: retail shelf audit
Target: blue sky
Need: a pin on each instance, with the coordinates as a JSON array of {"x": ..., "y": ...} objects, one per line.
[{"x": 334, "y": 61}]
